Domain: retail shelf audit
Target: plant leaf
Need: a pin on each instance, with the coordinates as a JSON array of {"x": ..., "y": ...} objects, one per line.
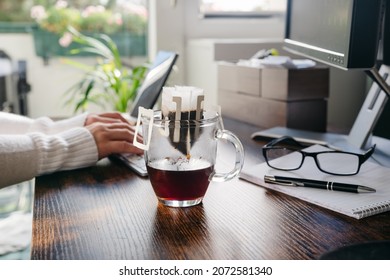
[{"x": 108, "y": 81}]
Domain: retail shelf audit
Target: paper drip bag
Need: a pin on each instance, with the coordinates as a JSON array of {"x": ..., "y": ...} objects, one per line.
[{"x": 181, "y": 106}]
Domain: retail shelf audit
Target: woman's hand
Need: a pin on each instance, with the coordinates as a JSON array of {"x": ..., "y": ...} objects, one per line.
[
  {"x": 112, "y": 133},
  {"x": 110, "y": 117}
]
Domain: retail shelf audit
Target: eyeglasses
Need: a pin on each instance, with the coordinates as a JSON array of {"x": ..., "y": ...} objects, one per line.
[{"x": 331, "y": 162}]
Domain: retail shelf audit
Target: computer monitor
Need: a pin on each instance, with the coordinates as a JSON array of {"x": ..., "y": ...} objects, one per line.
[
  {"x": 342, "y": 33},
  {"x": 347, "y": 34}
]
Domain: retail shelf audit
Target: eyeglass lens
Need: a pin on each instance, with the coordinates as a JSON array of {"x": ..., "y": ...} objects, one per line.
[
  {"x": 291, "y": 159},
  {"x": 335, "y": 163}
]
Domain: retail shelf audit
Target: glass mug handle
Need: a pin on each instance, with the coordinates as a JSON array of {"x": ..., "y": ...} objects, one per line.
[{"x": 239, "y": 163}]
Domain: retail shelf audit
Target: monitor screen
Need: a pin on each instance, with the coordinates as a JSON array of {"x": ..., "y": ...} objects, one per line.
[
  {"x": 154, "y": 82},
  {"x": 342, "y": 33}
]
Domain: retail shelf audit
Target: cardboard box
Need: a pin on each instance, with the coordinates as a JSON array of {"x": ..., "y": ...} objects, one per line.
[
  {"x": 295, "y": 84},
  {"x": 227, "y": 76},
  {"x": 268, "y": 97},
  {"x": 267, "y": 113},
  {"x": 275, "y": 83},
  {"x": 239, "y": 78}
]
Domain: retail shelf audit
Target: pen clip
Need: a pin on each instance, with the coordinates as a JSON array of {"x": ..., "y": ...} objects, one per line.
[{"x": 273, "y": 180}]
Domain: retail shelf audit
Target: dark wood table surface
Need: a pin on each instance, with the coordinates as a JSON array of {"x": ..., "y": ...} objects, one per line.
[{"x": 108, "y": 212}]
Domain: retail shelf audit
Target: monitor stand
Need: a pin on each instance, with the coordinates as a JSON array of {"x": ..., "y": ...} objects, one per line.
[{"x": 360, "y": 137}]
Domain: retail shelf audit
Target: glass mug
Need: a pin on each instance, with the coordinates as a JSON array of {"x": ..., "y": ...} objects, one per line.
[{"x": 180, "y": 155}]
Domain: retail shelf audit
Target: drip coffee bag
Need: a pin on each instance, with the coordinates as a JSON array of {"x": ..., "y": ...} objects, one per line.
[{"x": 182, "y": 106}]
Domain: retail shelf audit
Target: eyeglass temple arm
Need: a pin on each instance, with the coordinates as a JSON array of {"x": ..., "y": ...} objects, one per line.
[{"x": 368, "y": 153}]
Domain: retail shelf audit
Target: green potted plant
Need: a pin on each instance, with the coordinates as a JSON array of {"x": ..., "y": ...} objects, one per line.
[{"x": 106, "y": 82}]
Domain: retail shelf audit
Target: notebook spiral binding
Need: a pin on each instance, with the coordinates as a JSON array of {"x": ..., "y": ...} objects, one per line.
[{"x": 372, "y": 209}]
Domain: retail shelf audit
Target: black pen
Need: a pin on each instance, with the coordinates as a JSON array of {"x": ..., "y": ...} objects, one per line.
[{"x": 331, "y": 186}]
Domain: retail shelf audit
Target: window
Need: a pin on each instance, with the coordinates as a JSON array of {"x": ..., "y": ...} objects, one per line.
[
  {"x": 241, "y": 8},
  {"x": 125, "y": 21},
  {"x": 106, "y": 16}
]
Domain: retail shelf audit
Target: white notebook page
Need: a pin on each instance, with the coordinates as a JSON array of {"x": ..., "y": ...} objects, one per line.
[{"x": 357, "y": 205}]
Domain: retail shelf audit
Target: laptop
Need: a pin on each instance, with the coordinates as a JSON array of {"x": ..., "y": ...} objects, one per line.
[{"x": 147, "y": 97}]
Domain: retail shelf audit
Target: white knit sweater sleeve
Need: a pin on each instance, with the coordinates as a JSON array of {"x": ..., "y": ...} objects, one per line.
[
  {"x": 16, "y": 124},
  {"x": 23, "y": 157},
  {"x": 32, "y": 147}
]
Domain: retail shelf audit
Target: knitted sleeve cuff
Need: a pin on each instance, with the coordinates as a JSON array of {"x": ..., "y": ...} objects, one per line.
[{"x": 74, "y": 148}]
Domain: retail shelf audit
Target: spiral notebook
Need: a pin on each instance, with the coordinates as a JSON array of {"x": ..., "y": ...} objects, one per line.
[{"x": 356, "y": 205}]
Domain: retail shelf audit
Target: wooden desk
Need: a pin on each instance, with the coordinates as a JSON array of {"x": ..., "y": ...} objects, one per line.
[{"x": 108, "y": 212}]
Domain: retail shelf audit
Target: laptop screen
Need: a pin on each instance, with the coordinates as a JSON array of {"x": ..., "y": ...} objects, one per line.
[{"x": 154, "y": 81}]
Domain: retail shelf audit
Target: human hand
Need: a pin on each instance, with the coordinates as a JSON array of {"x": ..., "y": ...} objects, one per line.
[
  {"x": 112, "y": 134},
  {"x": 110, "y": 117}
]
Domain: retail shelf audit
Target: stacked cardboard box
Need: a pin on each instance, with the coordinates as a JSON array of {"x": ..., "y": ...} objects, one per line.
[{"x": 275, "y": 96}]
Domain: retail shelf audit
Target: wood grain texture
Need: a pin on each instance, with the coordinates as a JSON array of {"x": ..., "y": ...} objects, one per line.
[{"x": 108, "y": 212}]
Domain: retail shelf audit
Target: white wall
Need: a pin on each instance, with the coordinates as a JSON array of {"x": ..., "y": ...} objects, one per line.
[
  {"x": 167, "y": 33},
  {"x": 48, "y": 82},
  {"x": 219, "y": 28},
  {"x": 174, "y": 23}
]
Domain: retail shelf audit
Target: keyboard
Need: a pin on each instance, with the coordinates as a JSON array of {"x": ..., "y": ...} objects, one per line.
[{"x": 134, "y": 162}]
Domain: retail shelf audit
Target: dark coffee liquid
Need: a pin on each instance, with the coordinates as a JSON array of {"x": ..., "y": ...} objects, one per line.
[
  {"x": 171, "y": 184},
  {"x": 188, "y": 133}
]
